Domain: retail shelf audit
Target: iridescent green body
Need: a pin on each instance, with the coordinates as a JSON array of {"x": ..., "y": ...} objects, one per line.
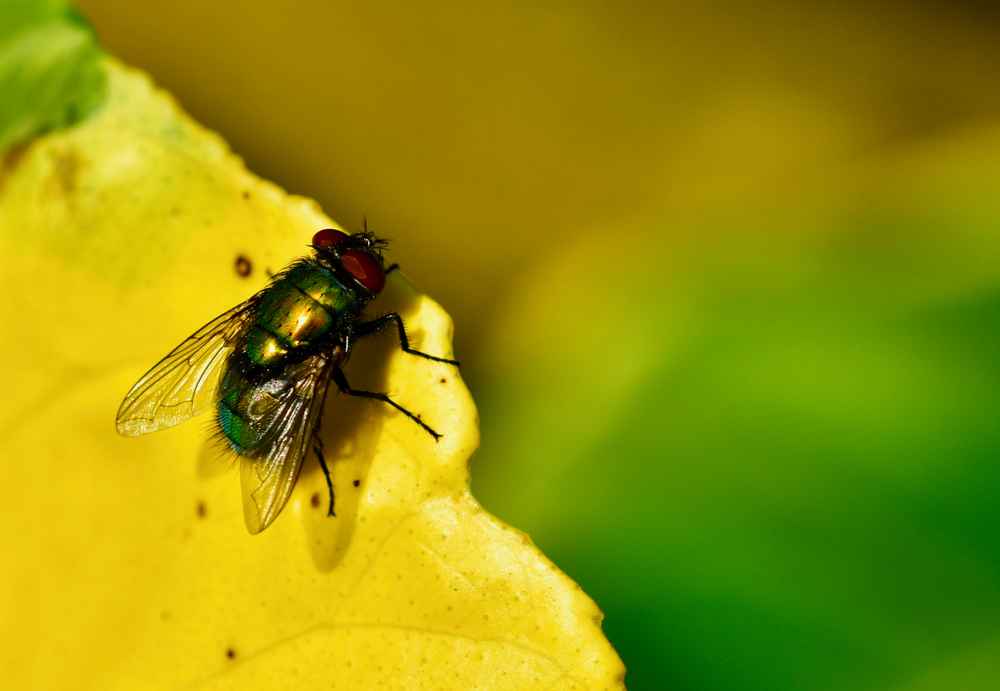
[
  {"x": 301, "y": 313},
  {"x": 267, "y": 364}
]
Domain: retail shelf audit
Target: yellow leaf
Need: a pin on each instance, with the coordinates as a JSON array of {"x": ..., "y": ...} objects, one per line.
[{"x": 127, "y": 562}]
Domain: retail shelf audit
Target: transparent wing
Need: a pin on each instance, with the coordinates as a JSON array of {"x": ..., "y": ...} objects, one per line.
[
  {"x": 182, "y": 383},
  {"x": 285, "y": 428}
]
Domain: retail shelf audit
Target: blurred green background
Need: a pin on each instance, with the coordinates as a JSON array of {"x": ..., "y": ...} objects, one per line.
[{"x": 726, "y": 284}]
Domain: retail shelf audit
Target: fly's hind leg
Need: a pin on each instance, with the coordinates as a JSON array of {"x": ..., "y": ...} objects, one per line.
[
  {"x": 375, "y": 325},
  {"x": 318, "y": 448},
  {"x": 341, "y": 381}
]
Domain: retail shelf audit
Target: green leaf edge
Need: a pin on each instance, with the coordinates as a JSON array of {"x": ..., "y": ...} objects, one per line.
[{"x": 51, "y": 71}]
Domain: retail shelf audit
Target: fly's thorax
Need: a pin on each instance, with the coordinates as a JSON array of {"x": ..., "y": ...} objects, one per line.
[
  {"x": 301, "y": 310},
  {"x": 322, "y": 285}
]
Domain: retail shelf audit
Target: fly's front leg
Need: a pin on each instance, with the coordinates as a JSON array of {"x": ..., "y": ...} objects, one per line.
[
  {"x": 341, "y": 381},
  {"x": 376, "y": 325}
]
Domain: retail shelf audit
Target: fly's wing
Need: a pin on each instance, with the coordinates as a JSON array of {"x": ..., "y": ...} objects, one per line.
[
  {"x": 182, "y": 383},
  {"x": 286, "y": 431}
]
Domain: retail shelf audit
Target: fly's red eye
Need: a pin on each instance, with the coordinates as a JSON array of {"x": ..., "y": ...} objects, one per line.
[
  {"x": 364, "y": 267},
  {"x": 328, "y": 237}
]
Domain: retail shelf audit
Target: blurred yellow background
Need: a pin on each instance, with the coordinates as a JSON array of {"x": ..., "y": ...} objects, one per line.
[
  {"x": 484, "y": 139},
  {"x": 726, "y": 285}
]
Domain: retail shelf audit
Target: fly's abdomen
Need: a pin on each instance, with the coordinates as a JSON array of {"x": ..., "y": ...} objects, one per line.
[
  {"x": 298, "y": 311},
  {"x": 244, "y": 409},
  {"x": 233, "y": 412}
]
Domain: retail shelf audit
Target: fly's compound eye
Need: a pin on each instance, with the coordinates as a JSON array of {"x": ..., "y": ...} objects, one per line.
[
  {"x": 328, "y": 238},
  {"x": 365, "y": 269}
]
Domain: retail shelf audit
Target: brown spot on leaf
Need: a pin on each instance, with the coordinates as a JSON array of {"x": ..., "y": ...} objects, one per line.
[
  {"x": 356, "y": 483},
  {"x": 230, "y": 653},
  {"x": 243, "y": 266},
  {"x": 314, "y": 500},
  {"x": 246, "y": 194},
  {"x": 200, "y": 509},
  {"x": 443, "y": 380}
]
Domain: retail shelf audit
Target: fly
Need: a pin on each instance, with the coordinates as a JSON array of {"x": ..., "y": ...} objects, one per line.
[{"x": 275, "y": 355}]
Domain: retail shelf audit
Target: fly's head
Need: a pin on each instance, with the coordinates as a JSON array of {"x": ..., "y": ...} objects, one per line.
[{"x": 357, "y": 256}]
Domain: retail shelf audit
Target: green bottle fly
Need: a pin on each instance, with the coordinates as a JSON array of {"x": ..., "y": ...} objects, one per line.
[{"x": 273, "y": 357}]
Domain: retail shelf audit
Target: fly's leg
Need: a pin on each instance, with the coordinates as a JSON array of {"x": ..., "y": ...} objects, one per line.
[
  {"x": 392, "y": 267},
  {"x": 341, "y": 381},
  {"x": 376, "y": 325},
  {"x": 318, "y": 448}
]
